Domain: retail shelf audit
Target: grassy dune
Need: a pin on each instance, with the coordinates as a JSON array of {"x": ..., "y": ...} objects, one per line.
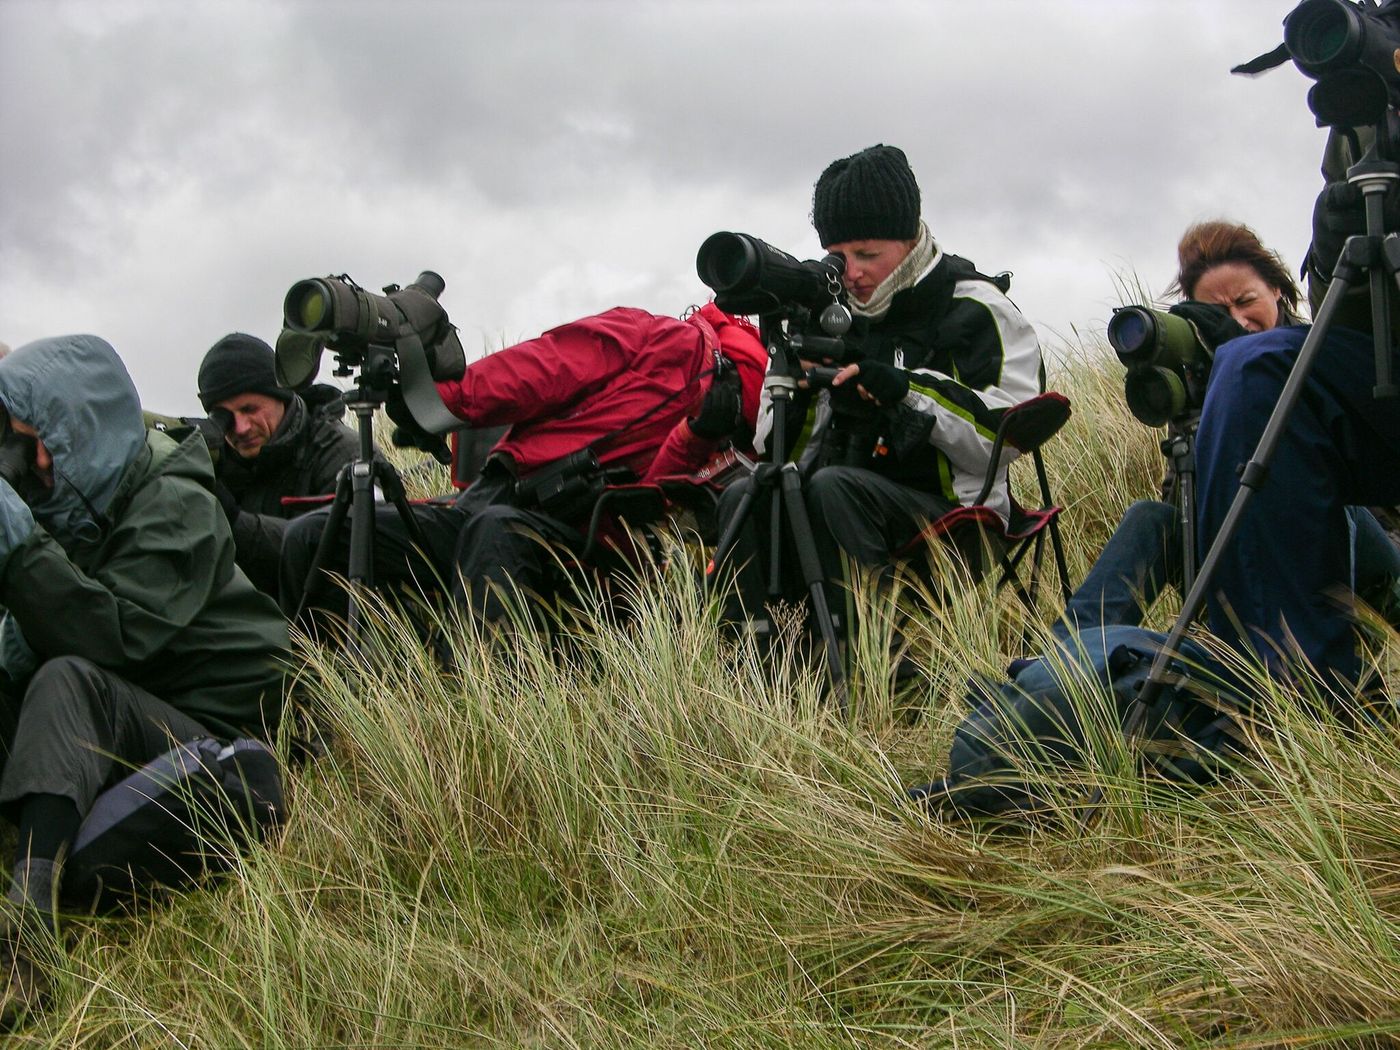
[{"x": 634, "y": 835}]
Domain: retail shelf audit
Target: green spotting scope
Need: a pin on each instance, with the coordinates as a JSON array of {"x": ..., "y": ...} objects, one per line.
[
  {"x": 1166, "y": 359},
  {"x": 402, "y": 339}
]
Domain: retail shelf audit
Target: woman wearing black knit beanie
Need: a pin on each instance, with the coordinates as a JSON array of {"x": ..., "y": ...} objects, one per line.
[{"x": 904, "y": 433}]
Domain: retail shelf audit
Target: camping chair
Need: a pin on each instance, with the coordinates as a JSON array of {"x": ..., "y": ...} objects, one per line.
[
  {"x": 1024, "y": 427},
  {"x": 622, "y": 510}
]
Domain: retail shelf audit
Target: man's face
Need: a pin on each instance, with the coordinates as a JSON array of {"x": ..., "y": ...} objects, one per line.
[
  {"x": 43, "y": 462},
  {"x": 253, "y": 419},
  {"x": 868, "y": 263}
]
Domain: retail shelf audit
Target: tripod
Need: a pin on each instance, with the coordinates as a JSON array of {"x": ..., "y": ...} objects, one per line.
[
  {"x": 779, "y": 476},
  {"x": 354, "y": 495},
  {"x": 1374, "y": 255},
  {"x": 1180, "y": 450}
]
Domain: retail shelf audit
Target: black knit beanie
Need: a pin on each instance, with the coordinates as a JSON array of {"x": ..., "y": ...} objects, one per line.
[
  {"x": 870, "y": 195},
  {"x": 238, "y": 364}
]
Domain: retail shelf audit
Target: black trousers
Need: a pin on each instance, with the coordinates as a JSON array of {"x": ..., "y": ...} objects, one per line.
[
  {"x": 78, "y": 729},
  {"x": 481, "y": 550},
  {"x": 855, "y": 514},
  {"x": 396, "y": 559}
]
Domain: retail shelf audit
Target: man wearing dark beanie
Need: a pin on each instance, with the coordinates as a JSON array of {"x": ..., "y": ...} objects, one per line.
[
  {"x": 904, "y": 434},
  {"x": 276, "y": 444}
]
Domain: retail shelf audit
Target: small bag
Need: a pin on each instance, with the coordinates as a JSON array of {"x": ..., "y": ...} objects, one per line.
[
  {"x": 178, "y": 817},
  {"x": 568, "y": 487}
]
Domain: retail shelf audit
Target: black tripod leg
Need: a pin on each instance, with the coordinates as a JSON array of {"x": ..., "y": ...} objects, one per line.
[
  {"x": 763, "y": 477},
  {"x": 361, "y": 567},
  {"x": 812, "y": 574},
  {"x": 392, "y": 486},
  {"x": 329, "y": 535},
  {"x": 724, "y": 548}
]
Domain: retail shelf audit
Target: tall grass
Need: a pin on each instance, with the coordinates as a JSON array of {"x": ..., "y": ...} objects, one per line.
[{"x": 636, "y": 833}]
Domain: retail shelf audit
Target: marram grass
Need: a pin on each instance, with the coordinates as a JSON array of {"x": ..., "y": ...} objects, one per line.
[{"x": 637, "y": 833}]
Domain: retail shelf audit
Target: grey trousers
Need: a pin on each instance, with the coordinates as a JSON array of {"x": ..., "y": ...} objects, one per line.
[{"x": 79, "y": 729}]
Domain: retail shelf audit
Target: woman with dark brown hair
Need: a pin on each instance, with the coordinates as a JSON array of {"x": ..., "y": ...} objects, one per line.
[
  {"x": 1226, "y": 264},
  {"x": 1220, "y": 263}
]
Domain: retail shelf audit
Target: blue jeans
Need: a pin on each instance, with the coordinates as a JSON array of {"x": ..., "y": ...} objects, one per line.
[
  {"x": 1018, "y": 737},
  {"x": 1143, "y": 557}
]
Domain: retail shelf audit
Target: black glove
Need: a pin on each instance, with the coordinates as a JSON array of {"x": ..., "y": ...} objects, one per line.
[
  {"x": 885, "y": 383},
  {"x": 1338, "y": 213},
  {"x": 227, "y": 501},
  {"x": 721, "y": 412},
  {"x": 408, "y": 434},
  {"x": 1211, "y": 321}
]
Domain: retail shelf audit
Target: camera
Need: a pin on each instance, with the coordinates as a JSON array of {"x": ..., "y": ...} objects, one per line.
[
  {"x": 1167, "y": 361},
  {"x": 750, "y": 276},
  {"x": 565, "y": 488},
  {"x": 403, "y": 336},
  {"x": 1349, "y": 48}
]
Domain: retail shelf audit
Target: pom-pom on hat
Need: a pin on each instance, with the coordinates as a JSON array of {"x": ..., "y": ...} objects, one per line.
[{"x": 870, "y": 195}]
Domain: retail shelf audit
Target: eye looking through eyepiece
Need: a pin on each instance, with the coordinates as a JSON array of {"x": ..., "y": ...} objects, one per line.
[
  {"x": 18, "y": 462},
  {"x": 16, "y": 457}
]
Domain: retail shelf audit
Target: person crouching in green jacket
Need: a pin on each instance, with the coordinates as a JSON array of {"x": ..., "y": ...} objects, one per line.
[{"x": 129, "y": 629}]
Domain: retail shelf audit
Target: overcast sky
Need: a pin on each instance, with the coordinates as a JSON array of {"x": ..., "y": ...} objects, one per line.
[{"x": 170, "y": 169}]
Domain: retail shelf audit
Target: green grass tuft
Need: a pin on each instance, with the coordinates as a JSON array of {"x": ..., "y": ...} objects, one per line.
[{"x": 639, "y": 834}]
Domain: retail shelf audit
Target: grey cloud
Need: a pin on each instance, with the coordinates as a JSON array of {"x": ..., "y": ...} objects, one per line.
[{"x": 550, "y": 158}]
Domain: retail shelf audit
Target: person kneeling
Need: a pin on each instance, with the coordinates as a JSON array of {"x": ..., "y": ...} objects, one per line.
[{"x": 129, "y": 627}]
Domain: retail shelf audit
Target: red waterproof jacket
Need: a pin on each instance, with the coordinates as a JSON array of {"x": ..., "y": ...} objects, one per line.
[
  {"x": 685, "y": 452},
  {"x": 619, "y": 381}
]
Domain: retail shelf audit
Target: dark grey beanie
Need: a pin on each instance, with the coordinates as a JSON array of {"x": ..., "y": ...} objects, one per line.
[
  {"x": 238, "y": 364},
  {"x": 869, "y": 195}
]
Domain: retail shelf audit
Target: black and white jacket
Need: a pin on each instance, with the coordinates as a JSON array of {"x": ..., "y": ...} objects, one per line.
[{"x": 969, "y": 354}]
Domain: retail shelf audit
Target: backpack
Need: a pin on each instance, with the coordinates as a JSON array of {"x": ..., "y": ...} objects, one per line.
[
  {"x": 177, "y": 818},
  {"x": 1190, "y": 727}
]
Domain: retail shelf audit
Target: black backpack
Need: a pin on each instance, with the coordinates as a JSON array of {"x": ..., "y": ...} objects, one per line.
[{"x": 177, "y": 818}]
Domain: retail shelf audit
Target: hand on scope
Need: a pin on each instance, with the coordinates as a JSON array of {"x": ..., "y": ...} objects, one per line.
[
  {"x": 1339, "y": 213},
  {"x": 408, "y": 434},
  {"x": 1211, "y": 321},
  {"x": 884, "y": 384},
  {"x": 721, "y": 411}
]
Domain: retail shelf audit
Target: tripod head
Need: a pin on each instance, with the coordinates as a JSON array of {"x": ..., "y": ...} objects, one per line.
[
  {"x": 791, "y": 335},
  {"x": 1370, "y": 259}
]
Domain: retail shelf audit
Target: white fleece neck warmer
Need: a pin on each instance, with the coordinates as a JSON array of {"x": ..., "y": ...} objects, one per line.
[{"x": 908, "y": 273}]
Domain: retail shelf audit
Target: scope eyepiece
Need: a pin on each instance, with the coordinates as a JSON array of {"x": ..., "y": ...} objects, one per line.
[{"x": 430, "y": 282}]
